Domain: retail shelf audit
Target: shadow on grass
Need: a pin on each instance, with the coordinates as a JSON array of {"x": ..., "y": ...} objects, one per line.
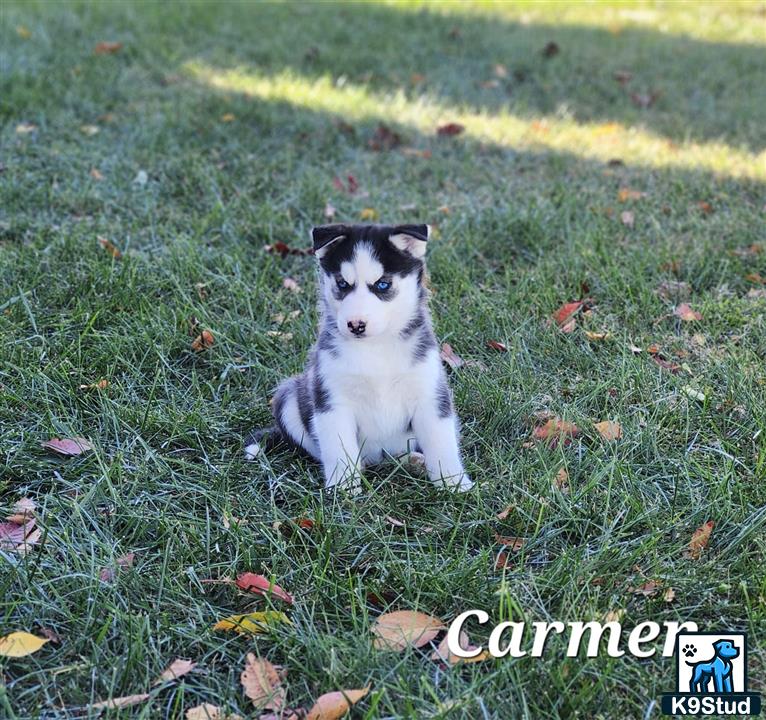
[{"x": 702, "y": 90}]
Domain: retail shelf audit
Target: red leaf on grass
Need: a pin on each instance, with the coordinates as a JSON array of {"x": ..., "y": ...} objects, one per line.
[
  {"x": 384, "y": 139},
  {"x": 496, "y": 345},
  {"x": 450, "y": 129},
  {"x": 261, "y": 585},
  {"x": 564, "y": 317},
  {"x": 556, "y": 430},
  {"x": 283, "y": 249}
]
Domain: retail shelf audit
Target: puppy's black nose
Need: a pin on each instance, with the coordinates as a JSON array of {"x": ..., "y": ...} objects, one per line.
[{"x": 357, "y": 327}]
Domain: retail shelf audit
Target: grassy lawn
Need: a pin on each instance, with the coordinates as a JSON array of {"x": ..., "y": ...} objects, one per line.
[{"x": 217, "y": 129}]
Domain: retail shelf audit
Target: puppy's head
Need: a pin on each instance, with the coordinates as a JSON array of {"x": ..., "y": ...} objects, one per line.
[{"x": 371, "y": 275}]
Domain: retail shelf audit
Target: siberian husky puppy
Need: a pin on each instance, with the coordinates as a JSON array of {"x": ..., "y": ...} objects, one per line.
[{"x": 374, "y": 385}]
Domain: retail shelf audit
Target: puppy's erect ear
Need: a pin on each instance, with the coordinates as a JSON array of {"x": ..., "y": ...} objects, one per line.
[
  {"x": 324, "y": 236},
  {"x": 410, "y": 239}
]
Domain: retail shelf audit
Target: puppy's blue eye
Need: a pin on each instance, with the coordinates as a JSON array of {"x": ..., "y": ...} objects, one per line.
[
  {"x": 382, "y": 285},
  {"x": 342, "y": 284}
]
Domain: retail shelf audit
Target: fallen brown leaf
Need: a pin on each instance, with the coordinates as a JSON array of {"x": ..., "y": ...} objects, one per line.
[
  {"x": 100, "y": 385},
  {"x": 384, "y": 138},
  {"x": 405, "y": 628},
  {"x": 110, "y": 247},
  {"x": 496, "y": 345},
  {"x": 561, "y": 481},
  {"x": 685, "y": 312},
  {"x": 512, "y": 543},
  {"x": 503, "y": 514},
  {"x": 23, "y": 510},
  {"x": 564, "y": 317},
  {"x": 556, "y": 430},
  {"x": 178, "y": 668},
  {"x": 672, "y": 367},
  {"x": 699, "y": 541},
  {"x": 67, "y": 446},
  {"x": 206, "y": 711},
  {"x": 669, "y": 595},
  {"x": 262, "y": 684},
  {"x": 449, "y": 356},
  {"x": 203, "y": 341},
  {"x": 283, "y": 249},
  {"x": 550, "y": 50},
  {"x": 107, "y": 48},
  {"x": 19, "y": 537},
  {"x": 96, "y": 175},
  {"x": 450, "y": 129},
  {"x": 625, "y": 194},
  {"x": 334, "y": 705},
  {"x": 443, "y": 653},
  {"x": 609, "y": 430},
  {"x": 647, "y": 589}
]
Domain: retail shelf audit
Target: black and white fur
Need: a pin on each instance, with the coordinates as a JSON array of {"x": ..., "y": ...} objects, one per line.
[{"x": 374, "y": 385}]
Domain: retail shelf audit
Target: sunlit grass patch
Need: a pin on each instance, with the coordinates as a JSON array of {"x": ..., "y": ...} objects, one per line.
[{"x": 593, "y": 141}]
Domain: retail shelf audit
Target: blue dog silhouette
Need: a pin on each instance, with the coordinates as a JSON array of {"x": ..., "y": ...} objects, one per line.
[{"x": 718, "y": 669}]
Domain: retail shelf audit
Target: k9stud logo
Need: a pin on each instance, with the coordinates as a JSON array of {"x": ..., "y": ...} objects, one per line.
[{"x": 711, "y": 676}]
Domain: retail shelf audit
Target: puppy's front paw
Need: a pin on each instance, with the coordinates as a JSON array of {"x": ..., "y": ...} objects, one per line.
[
  {"x": 352, "y": 485},
  {"x": 348, "y": 479},
  {"x": 460, "y": 482},
  {"x": 252, "y": 451}
]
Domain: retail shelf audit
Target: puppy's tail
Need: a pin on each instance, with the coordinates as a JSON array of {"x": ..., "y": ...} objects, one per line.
[{"x": 262, "y": 441}]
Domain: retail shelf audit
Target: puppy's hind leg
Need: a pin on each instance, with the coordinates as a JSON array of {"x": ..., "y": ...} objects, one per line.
[{"x": 293, "y": 416}]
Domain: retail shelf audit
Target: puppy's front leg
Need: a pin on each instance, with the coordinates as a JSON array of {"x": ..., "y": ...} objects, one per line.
[
  {"x": 436, "y": 430},
  {"x": 339, "y": 449}
]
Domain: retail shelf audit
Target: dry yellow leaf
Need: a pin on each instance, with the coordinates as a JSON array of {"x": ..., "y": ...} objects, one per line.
[
  {"x": 20, "y": 644},
  {"x": 369, "y": 214},
  {"x": 253, "y": 623},
  {"x": 609, "y": 430},
  {"x": 120, "y": 702},
  {"x": 23, "y": 32}
]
